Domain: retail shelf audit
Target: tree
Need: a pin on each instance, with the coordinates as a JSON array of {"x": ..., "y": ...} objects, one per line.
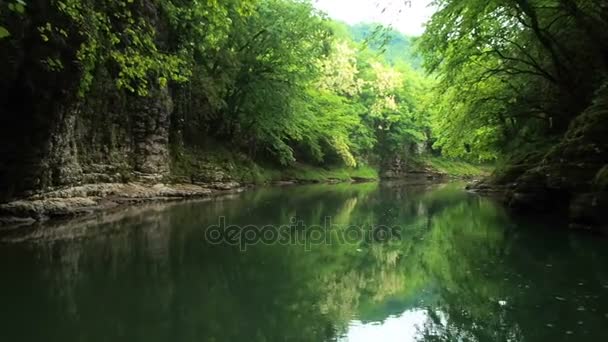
[{"x": 509, "y": 69}]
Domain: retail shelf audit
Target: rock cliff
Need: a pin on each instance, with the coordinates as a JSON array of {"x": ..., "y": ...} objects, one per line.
[{"x": 570, "y": 179}]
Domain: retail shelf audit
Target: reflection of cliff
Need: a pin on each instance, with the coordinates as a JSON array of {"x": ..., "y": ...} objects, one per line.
[
  {"x": 153, "y": 262},
  {"x": 103, "y": 223},
  {"x": 151, "y": 273}
]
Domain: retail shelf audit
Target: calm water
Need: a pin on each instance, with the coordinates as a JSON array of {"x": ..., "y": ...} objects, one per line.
[{"x": 424, "y": 264}]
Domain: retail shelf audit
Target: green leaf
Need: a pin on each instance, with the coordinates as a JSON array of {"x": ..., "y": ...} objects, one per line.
[
  {"x": 19, "y": 8},
  {"x": 4, "y": 32}
]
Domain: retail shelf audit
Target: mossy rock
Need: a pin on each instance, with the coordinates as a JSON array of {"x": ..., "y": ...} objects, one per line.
[
  {"x": 573, "y": 177},
  {"x": 508, "y": 174},
  {"x": 592, "y": 124},
  {"x": 579, "y": 149}
]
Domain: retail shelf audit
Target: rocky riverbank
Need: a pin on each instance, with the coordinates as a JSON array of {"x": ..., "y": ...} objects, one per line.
[
  {"x": 84, "y": 200},
  {"x": 91, "y": 198},
  {"x": 569, "y": 179}
]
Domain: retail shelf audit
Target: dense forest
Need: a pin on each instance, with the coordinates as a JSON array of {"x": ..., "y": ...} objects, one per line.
[
  {"x": 257, "y": 170},
  {"x": 138, "y": 83},
  {"x": 525, "y": 81},
  {"x": 311, "y": 296},
  {"x": 199, "y": 91}
]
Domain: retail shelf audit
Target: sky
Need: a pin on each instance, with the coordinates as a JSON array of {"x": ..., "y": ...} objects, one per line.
[{"x": 405, "y": 16}]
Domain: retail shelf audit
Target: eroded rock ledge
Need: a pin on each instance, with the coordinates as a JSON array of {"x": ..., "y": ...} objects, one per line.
[{"x": 88, "y": 199}]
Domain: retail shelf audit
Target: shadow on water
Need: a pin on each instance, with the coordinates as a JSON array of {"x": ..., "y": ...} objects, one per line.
[{"x": 450, "y": 266}]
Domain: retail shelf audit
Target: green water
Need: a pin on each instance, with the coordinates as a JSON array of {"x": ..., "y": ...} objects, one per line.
[{"x": 424, "y": 264}]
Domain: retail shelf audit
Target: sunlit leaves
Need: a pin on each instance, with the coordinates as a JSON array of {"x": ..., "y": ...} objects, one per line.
[
  {"x": 339, "y": 70},
  {"x": 116, "y": 32},
  {"x": 511, "y": 72},
  {"x": 266, "y": 76},
  {"x": 387, "y": 79}
]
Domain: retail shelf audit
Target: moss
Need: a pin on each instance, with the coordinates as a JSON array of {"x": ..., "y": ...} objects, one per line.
[
  {"x": 456, "y": 168},
  {"x": 307, "y": 173},
  {"x": 219, "y": 164},
  {"x": 252, "y": 173},
  {"x": 518, "y": 162},
  {"x": 364, "y": 172}
]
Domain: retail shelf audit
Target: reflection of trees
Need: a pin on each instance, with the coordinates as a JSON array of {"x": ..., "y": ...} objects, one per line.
[
  {"x": 457, "y": 252},
  {"x": 496, "y": 283},
  {"x": 152, "y": 276},
  {"x": 365, "y": 275}
]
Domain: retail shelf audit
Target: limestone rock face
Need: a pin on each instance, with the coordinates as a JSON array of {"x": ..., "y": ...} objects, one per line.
[
  {"x": 52, "y": 138},
  {"x": 61, "y": 163},
  {"x": 71, "y": 148},
  {"x": 399, "y": 167},
  {"x": 151, "y": 122},
  {"x": 394, "y": 168},
  {"x": 69, "y": 151}
]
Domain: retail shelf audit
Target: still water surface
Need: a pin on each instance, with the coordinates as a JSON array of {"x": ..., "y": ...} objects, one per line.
[{"x": 425, "y": 264}]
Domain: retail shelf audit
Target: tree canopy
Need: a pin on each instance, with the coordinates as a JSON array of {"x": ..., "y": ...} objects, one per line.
[
  {"x": 280, "y": 81},
  {"x": 274, "y": 78},
  {"x": 512, "y": 72}
]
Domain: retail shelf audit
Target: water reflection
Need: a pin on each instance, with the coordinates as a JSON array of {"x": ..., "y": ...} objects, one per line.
[{"x": 461, "y": 270}]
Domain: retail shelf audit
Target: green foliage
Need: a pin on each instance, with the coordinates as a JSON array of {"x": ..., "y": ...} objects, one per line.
[
  {"x": 17, "y": 6},
  {"x": 457, "y": 168},
  {"x": 119, "y": 34},
  {"x": 290, "y": 86},
  {"x": 216, "y": 163},
  {"x": 274, "y": 79},
  {"x": 307, "y": 173},
  {"x": 511, "y": 73},
  {"x": 4, "y": 32}
]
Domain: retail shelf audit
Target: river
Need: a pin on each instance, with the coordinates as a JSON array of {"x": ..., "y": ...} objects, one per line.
[{"x": 346, "y": 262}]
